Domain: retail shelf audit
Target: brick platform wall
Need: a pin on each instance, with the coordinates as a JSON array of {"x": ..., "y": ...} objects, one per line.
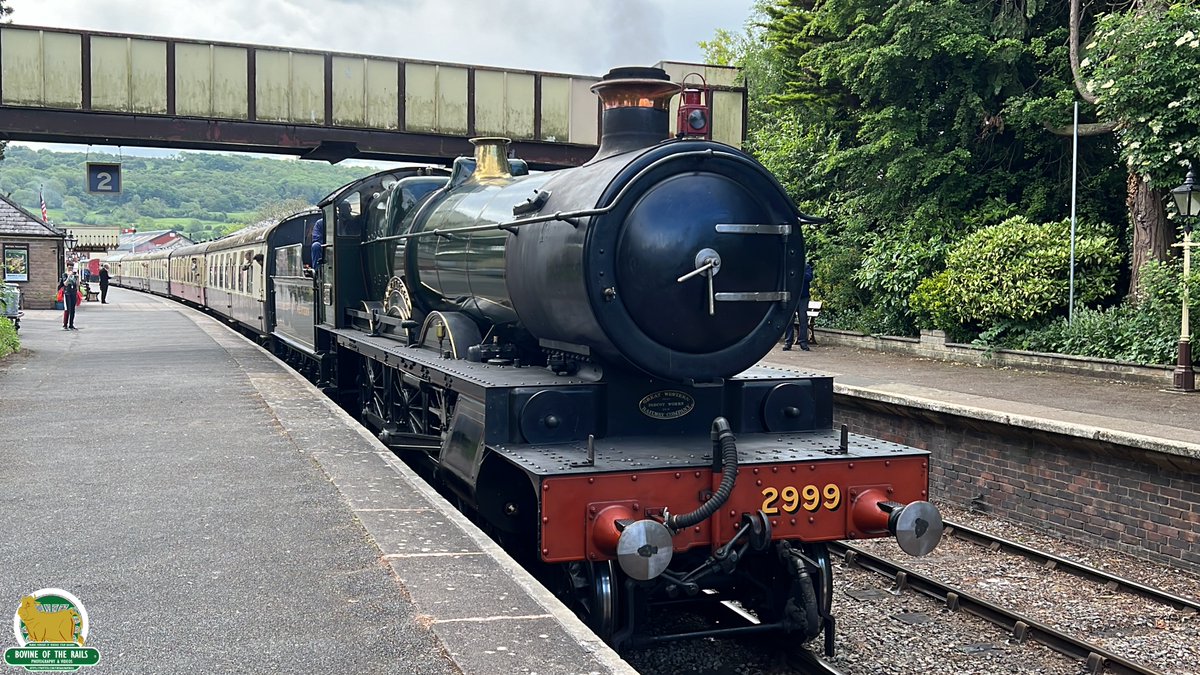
[{"x": 1092, "y": 492}]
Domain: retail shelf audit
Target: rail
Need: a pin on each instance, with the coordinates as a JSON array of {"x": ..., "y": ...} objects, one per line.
[
  {"x": 1053, "y": 562},
  {"x": 804, "y": 661},
  {"x": 1098, "y": 659}
]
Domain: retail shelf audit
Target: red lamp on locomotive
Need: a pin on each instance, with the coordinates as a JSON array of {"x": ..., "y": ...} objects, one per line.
[{"x": 695, "y": 111}]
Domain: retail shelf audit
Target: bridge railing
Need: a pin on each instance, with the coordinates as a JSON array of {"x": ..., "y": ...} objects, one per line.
[{"x": 124, "y": 74}]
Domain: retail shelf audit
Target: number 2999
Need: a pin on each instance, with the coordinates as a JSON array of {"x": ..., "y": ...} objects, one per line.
[{"x": 810, "y": 498}]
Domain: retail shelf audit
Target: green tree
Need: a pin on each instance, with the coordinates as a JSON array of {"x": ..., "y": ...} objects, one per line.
[
  {"x": 1132, "y": 72},
  {"x": 273, "y": 212},
  {"x": 74, "y": 209},
  {"x": 154, "y": 207},
  {"x": 1141, "y": 68},
  {"x": 900, "y": 126}
]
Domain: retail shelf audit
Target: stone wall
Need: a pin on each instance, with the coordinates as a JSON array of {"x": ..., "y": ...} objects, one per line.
[
  {"x": 44, "y": 270},
  {"x": 933, "y": 345},
  {"x": 1139, "y": 501}
]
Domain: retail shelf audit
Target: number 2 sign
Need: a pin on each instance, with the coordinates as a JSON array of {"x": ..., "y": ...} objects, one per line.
[{"x": 104, "y": 178}]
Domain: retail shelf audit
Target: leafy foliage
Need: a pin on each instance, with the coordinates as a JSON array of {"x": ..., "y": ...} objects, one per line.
[
  {"x": 913, "y": 123},
  {"x": 1159, "y": 97},
  {"x": 1145, "y": 332},
  {"x": 9, "y": 341},
  {"x": 1015, "y": 271},
  {"x": 276, "y": 211}
]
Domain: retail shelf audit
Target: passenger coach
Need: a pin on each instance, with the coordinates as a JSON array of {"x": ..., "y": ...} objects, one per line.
[{"x": 189, "y": 273}]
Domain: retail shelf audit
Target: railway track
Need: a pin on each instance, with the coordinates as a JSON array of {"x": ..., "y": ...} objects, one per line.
[
  {"x": 796, "y": 658},
  {"x": 1097, "y": 659},
  {"x": 744, "y": 651},
  {"x": 1054, "y": 562},
  {"x": 808, "y": 663}
]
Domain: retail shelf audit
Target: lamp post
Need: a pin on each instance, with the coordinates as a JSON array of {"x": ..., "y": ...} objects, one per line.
[
  {"x": 1187, "y": 201},
  {"x": 68, "y": 246}
]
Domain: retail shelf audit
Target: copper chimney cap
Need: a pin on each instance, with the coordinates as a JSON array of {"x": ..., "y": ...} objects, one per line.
[{"x": 636, "y": 87}]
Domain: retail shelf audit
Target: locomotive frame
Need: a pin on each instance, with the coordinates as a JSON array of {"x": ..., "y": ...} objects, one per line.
[{"x": 518, "y": 353}]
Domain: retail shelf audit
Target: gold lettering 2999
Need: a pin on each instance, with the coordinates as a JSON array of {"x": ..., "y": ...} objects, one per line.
[{"x": 809, "y": 497}]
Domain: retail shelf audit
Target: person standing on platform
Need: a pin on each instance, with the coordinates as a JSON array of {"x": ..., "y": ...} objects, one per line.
[
  {"x": 790, "y": 337},
  {"x": 104, "y": 284},
  {"x": 70, "y": 297}
]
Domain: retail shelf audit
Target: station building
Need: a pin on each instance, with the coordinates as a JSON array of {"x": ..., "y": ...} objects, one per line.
[{"x": 31, "y": 255}]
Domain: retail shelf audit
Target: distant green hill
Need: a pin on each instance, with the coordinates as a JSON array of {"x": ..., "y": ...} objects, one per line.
[{"x": 202, "y": 194}]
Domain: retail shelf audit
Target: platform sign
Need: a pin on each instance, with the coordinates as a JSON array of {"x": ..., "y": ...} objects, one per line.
[{"x": 103, "y": 178}]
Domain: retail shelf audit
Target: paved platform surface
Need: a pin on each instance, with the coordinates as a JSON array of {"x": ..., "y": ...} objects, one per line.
[
  {"x": 1142, "y": 415},
  {"x": 215, "y": 513}
]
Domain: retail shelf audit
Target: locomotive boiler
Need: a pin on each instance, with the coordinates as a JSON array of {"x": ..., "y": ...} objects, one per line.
[{"x": 682, "y": 259}]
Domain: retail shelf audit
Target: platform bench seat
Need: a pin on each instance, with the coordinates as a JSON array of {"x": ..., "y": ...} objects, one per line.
[{"x": 814, "y": 310}]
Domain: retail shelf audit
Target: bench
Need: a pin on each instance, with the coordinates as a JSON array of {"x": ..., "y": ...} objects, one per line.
[{"x": 814, "y": 310}]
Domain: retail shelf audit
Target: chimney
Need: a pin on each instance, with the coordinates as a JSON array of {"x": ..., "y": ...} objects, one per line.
[{"x": 636, "y": 103}]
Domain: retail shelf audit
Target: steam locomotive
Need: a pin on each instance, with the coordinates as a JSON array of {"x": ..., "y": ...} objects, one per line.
[{"x": 570, "y": 357}]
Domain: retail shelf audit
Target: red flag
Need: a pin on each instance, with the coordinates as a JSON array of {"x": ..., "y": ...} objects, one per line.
[{"x": 45, "y": 218}]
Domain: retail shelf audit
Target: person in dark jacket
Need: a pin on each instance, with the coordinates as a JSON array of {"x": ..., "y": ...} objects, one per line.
[
  {"x": 790, "y": 337},
  {"x": 318, "y": 243},
  {"x": 70, "y": 295},
  {"x": 104, "y": 284}
]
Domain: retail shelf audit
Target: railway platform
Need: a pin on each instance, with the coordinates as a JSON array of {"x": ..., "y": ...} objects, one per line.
[
  {"x": 1091, "y": 459},
  {"x": 1141, "y": 414},
  {"x": 215, "y": 513}
]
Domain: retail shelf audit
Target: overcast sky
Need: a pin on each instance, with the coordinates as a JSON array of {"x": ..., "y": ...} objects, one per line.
[{"x": 584, "y": 37}]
